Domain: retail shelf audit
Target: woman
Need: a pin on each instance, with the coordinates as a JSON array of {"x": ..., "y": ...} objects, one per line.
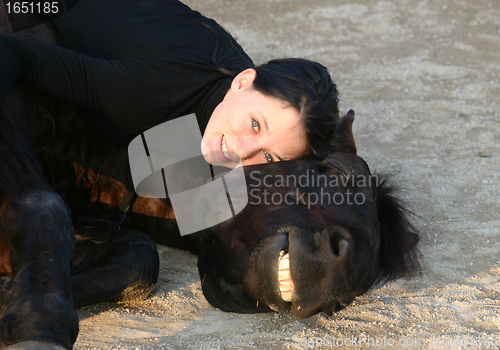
[{"x": 130, "y": 65}]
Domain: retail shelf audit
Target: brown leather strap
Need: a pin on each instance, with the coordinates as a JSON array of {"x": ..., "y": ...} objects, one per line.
[{"x": 127, "y": 203}]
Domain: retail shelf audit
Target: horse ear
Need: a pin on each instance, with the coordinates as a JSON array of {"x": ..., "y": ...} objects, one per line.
[{"x": 342, "y": 139}]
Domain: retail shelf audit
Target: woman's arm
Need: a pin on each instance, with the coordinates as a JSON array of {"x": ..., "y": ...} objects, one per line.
[{"x": 129, "y": 92}]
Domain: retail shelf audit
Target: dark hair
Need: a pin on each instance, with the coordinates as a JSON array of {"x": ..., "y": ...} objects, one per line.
[{"x": 306, "y": 85}]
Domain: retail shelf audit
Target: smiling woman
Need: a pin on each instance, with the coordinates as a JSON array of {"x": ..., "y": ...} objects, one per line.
[
  {"x": 138, "y": 64},
  {"x": 257, "y": 127}
]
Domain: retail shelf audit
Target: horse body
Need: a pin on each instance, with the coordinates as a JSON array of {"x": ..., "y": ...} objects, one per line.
[{"x": 67, "y": 240}]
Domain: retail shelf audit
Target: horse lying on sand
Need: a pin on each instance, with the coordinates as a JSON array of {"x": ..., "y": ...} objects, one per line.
[{"x": 67, "y": 239}]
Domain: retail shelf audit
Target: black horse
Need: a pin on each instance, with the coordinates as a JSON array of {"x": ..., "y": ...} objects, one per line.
[{"x": 314, "y": 235}]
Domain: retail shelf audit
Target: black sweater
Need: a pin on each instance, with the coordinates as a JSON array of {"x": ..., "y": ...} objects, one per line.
[{"x": 129, "y": 64}]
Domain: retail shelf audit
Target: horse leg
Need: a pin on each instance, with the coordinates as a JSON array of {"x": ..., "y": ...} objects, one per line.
[
  {"x": 36, "y": 223},
  {"x": 112, "y": 265}
]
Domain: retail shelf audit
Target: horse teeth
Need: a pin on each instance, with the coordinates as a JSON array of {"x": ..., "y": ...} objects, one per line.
[{"x": 284, "y": 277}]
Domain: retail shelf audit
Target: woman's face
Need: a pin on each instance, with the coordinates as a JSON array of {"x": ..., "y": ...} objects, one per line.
[{"x": 252, "y": 127}]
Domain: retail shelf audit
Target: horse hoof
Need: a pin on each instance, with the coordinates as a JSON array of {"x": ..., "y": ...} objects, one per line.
[{"x": 34, "y": 345}]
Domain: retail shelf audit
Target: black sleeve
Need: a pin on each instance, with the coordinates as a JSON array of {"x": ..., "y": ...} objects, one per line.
[{"x": 131, "y": 93}]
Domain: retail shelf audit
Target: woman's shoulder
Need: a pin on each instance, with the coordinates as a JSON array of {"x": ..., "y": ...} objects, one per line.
[
  {"x": 228, "y": 55},
  {"x": 149, "y": 30}
]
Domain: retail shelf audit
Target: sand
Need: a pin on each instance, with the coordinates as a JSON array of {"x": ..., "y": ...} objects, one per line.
[{"x": 423, "y": 78}]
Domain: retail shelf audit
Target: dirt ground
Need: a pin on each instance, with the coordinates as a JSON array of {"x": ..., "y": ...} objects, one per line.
[{"x": 423, "y": 78}]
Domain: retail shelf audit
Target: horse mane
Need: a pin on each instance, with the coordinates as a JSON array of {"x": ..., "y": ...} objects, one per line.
[{"x": 398, "y": 254}]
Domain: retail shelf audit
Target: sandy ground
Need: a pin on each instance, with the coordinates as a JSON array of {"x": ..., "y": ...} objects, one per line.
[{"x": 423, "y": 78}]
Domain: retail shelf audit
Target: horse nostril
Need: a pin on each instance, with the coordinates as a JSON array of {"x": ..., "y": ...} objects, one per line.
[
  {"x": 334, "y": 244},
  {"x": 339, "y": 246}
]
